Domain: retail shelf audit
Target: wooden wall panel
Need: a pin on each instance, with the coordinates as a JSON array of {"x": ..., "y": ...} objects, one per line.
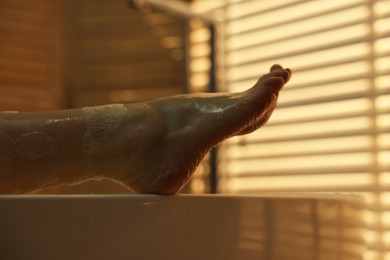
[
  {"x": 30, "y": 55},
  {"x": 116, "y": 54}
]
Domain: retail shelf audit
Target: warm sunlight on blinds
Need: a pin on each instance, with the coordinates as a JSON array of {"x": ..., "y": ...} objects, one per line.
[
  {"x": 331, "y": 130},
  {"x": 198, "y": 55}
]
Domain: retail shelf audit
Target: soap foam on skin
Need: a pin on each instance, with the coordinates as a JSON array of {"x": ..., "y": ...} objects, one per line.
[
  {"x": 102, "y": 122},
  {"x": 211, "y": 108},
  {"x": 57, "y": 120}
]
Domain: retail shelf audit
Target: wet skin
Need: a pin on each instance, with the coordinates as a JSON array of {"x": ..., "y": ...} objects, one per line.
[{"x": 150, "y": 147}]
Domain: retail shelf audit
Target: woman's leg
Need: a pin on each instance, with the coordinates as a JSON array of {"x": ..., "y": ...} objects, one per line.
[{"x": 151, "y": 147}]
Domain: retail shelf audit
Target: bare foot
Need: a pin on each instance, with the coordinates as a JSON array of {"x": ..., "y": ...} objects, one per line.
[
  {"x": 151, "y": 147},
  {"x": 160, "y": 154}
]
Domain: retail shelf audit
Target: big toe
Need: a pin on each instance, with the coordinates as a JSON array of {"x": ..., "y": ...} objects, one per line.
[
  {"x": 274, "y": 84},
  {"x": 278, "y": 71}
]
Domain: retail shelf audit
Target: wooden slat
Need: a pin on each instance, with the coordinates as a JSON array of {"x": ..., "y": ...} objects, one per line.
[
  {"x": 28, "y": 55},
  {"x": 121, "y": 56},
  {"x": 26, "y": 27},
  {"x": 27, "y": 5},
  {"x": 25, "y": 98},
  {"x": 22, "y": 16},
  {"x": 104, "y": 7},
  {"x": 282, "y": 154},
  {"x": 109, "y": 20},
  {"x": 123, "y": 44},
  {"x": 129, "y": 31},
  {"x": 24, "y": 68},
  {"x": 17, "y": 80}
]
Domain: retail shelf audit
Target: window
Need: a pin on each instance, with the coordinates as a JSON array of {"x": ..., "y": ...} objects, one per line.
[{"x": 331, "y": 130}]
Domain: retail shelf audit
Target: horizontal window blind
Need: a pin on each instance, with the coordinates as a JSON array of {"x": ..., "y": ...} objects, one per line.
[
  {"x": 30, "y": 55},
  {"x": 118, "y": 54},
  {"x": 331, "y": 130},
  {"x": 199, "y": 66}
]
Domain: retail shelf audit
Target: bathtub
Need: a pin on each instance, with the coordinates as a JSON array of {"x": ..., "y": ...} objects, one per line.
[{"x": 269, "y": 226}]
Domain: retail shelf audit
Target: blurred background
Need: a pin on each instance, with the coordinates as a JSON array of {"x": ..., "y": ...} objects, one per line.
[{"x": 329, "y": 134}]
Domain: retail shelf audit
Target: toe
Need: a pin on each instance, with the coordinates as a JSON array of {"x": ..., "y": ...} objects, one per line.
[
  {"x": 280, "y": 73},
  {"x": 289, "y": 74},
  {"x": 274, "y": 83},
  {"x": 276, "y": 67}
]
